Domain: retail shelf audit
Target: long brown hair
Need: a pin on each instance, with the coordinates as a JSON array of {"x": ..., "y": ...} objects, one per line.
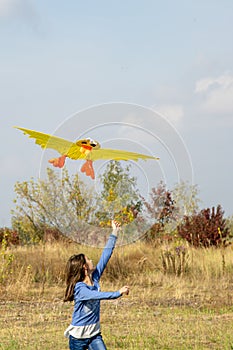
[{"x": 75, "y": 272}]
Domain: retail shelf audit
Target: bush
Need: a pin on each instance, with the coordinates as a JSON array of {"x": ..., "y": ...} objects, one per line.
[
  {"x": 9, "y": 236},
  {"x": 206, "y": 228}
]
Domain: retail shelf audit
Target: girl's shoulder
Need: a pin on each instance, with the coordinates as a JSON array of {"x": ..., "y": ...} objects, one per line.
[
  {"x": 79, "y": 285},
  {"x": 85, "y": 285}
]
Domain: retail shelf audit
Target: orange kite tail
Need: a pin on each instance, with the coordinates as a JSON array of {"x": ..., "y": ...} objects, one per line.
[
  {"x": 58, "y": 162},
  {"x": 88, "y": 169}
]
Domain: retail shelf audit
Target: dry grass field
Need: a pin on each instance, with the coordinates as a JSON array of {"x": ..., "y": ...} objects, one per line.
[{"x": 177, "y": 300}]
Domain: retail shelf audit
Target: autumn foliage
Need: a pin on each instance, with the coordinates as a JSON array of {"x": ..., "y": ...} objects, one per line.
[
  {"x": 206, "y": 228},
  {"x": 9, "y": 236}
]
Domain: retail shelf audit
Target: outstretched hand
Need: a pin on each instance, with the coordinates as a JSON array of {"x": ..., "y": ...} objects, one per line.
[
  {"x": 124, "y": 290},
  {"x": 116, "y": 226}
]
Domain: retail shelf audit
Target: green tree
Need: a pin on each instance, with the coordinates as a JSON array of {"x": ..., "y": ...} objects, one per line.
[
  {"x": 186, "y": 199},
  {"x": 119, "y": 197},
  {"x": 57, "y": 202},
  {"x": 229, "y": 224}
]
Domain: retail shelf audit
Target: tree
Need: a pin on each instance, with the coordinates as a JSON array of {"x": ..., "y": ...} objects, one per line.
[
  {"x": 66, "y": 205},
  {"x": 161, "y": 211},
  {"x": 229, "y": 223},
  {"x": 186, "y": 199},
  {"x": 206, "y": 228},
  {"x": 119, "y": 197},
  {"x": 58, "y": 203}
]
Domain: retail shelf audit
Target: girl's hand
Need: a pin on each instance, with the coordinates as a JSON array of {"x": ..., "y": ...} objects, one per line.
[
  {"x": 124, "y": 290},
  {"x": 116, "y": 226}
]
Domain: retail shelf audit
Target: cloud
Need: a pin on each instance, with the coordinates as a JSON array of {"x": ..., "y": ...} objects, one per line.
[
  {"x": 174, "y": 112},
  {"x": 216, "y": 94},
  {"x": 205, "y": 84}
]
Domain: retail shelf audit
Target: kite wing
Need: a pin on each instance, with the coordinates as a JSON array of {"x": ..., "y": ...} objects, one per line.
[
  {"x": 61, "y": 145},
  {"x": 114, "y": 154}
]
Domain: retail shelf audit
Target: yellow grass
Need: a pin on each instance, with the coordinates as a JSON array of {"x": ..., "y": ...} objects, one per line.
[{"x": 164, "y": 310}]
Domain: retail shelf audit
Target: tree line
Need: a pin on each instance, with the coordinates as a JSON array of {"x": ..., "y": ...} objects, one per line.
[{"x": 63, "y": 205}]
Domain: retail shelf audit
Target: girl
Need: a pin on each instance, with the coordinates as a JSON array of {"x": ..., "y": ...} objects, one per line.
[{"x": 82, "y": 281}]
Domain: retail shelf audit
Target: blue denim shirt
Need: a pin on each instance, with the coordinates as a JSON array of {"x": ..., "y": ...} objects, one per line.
[{"x": 86, "y": 315}]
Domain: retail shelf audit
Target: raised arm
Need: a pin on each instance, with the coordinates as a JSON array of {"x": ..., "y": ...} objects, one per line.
[{"x": 107, "y": 252}]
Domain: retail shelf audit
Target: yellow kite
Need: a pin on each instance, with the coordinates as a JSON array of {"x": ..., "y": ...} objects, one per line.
[{"x": 87, "y": 149}]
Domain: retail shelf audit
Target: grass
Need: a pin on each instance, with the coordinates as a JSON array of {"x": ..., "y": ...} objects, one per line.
[{"x": 164, "y": 310}]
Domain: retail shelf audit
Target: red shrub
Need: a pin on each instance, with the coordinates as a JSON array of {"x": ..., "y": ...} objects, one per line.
[
  {"x": 9, "y": 236},
  {"x": 206, "y": 228}
]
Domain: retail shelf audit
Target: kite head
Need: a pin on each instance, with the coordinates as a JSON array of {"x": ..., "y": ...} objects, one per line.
[{"x": 87, "y": 145}]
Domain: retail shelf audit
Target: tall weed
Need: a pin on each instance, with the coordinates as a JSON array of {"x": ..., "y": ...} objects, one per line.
[{"x": 6, "y": 260}]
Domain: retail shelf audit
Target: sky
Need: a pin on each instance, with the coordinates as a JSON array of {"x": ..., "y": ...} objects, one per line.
[{"x": 151, "y": 76}]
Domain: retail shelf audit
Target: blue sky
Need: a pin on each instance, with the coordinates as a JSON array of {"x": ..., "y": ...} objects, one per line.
[{"x": 174, "y": 57}]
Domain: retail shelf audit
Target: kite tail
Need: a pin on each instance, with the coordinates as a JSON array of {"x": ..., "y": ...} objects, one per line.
[
  {"x": 58, "y": 162},
  {"x": 88, "y": 169}
]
